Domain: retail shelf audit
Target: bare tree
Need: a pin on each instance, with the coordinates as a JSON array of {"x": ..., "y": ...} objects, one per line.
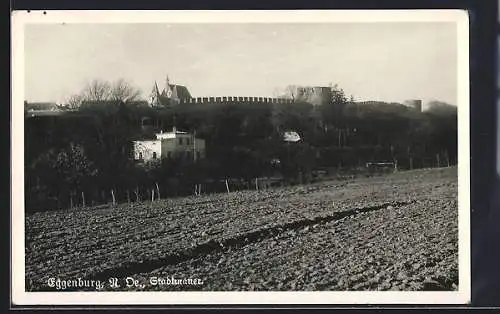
[
  {"x": 295, "y": 92},
  {"x": 122, "y": 90},
  {"x": 290, "y": 92},
  {"x": 97, "y": 90},
  {"x": 74, "y": 101},
  {"x": 277, "y": 92},
  {"x": 100, "y": 90}
]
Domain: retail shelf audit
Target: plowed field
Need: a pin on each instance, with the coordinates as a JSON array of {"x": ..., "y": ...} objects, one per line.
[{"x": 397, "y": 232}]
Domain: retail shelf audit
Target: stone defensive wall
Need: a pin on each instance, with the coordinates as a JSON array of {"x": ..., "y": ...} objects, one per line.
[{"x": 231, "y": 99}]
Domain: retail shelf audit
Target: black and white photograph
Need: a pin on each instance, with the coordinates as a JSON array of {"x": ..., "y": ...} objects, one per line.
[{"x": 307, "y": 157}]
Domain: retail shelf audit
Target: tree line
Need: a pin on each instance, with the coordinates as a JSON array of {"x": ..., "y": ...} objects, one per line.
[{"x": 86, "y": 156}]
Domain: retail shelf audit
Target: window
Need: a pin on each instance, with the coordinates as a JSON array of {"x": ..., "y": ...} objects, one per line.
[
  {"x": 154, "y": 155},
  {"x": 180, "y": 140},
  {"x": 140, "y": 156},
  {"x": 187, "y": 141},
  {"x": 169, "y": 155},
  {"x": 198, "y": 155}
]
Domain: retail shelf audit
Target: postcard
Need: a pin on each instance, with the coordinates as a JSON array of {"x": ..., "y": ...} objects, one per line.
[{"x": 240, "y": 157}]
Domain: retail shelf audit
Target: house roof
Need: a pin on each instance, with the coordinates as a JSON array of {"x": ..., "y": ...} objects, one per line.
[
  {"x": 182, "y": 91},
  {"x": 57, "y": 113},
  {"x": 45, "y": 113},
  {"x": 146, "y": 140},
  {"x": 41, "y": 106}
]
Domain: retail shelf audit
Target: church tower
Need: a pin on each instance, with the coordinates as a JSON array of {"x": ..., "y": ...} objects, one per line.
[{"x": 167, "y": 91}]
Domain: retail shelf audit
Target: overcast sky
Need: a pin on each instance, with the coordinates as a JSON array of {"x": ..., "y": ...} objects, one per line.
[{"x": 371, "y": 61}]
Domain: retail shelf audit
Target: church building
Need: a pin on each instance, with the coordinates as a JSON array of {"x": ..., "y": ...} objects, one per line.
[{"x": 170, "y": 95}]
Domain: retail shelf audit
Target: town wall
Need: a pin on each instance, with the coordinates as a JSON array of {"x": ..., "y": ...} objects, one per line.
[{"x": 233, "y": 100}]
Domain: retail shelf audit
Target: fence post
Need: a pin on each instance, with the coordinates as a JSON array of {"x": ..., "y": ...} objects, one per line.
[
  {"x": 227, "y": 186},
  {"x": 256, "y": 184},
  {"x": 128, "y": 196},
  {"x": 137, "y": 198},
  {"x": 113, "y": 197},
  {"x": 83, "y": 199},
  {"x": 158, "y": 190},
  {"x": 71, "y": 199}
]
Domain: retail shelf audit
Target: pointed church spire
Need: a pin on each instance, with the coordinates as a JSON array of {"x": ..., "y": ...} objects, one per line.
[
  {"x": 157, "y": 91},
  {"x": 155, "y": 95},
  {"x": 167, "y": 91},
  {"x": 152, "y": 96},
  {"x": 167, "y": 84}
]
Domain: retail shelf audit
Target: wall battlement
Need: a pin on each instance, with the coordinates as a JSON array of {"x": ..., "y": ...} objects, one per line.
[
  {"x": 234, "y": 99},
  {"x": 174, "y": 94}
]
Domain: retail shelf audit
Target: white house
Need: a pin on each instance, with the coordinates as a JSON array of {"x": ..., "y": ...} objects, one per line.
[{"x": 175, "y": 144}]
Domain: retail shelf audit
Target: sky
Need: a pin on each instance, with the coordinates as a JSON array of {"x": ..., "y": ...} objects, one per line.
[{"x": 389, "y": 62}]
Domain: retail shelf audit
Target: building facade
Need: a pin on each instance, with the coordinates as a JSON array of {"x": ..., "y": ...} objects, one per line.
[{"x": 171, "y": 145}]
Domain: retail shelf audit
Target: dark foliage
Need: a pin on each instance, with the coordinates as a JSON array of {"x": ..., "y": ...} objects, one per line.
[{"x": 87, "y": 154}]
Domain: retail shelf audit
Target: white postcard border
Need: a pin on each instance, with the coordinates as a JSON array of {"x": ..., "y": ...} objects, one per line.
[{"x": 20, "y": 297}]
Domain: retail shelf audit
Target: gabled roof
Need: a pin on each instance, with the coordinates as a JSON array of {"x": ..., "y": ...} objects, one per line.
[{"x": 182, "y": 91}]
